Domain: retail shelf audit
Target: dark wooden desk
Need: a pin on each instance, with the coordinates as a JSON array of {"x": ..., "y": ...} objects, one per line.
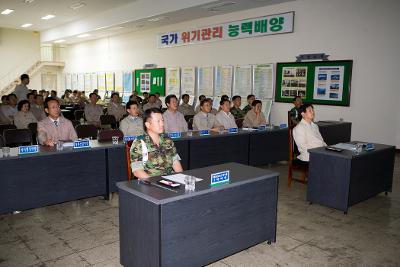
[
  {"x": 342, "y": 179},
  {"x": 163, "y": 228}
]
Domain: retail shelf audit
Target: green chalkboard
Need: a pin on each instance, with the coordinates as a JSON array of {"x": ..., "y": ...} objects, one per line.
[
  {"x": 150, "y": 80},
  {"x": 317, "y": 82}
]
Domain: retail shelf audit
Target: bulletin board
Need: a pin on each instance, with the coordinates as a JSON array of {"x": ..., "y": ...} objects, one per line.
[
  {"x": 150, "y": 80},
  {"x": 317, "y": 82}
]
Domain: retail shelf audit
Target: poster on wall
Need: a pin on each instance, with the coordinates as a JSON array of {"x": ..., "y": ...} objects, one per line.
[
  {"x": 94, "y": 81},
  {"x": 119, "y": 86},
  {"x": 205, "y": 81},
  {"x": 223, "y": 80},
  {"x": 294, "y": 82},
  {"x": 328, "y": 83},
  {"x": 88, "y": 82},
  {"x": 150, "y": 81},
  {"x": 243, "y": 81},
  {"x": 81, "y": 82},
  {"x": 127, "y": 86},
  {"x": 68, "y": 81},
  {"x": 74, "y": 81},
  {"x": 101, "y": 86},
  {"x": 188, "y": 79},
  {"x": 263, "y": 86},
  {"x": 173, "y": 81},
  {"x": 110, "y": 82}
]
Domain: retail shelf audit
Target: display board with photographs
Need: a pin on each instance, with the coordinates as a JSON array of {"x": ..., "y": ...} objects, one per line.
[
  {"x": 150, "y": 81},
  {"x": 317, "y": 82}
]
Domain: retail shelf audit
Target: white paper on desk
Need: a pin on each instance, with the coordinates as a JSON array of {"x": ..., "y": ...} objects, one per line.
[
  {"x": 179, "y": 178},
  {"x": 248, "y": 129},
  {"x": 68, "y": 144}
]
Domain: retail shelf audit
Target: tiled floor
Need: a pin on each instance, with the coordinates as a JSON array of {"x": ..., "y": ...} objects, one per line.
[{"x": 85, "y": 233}]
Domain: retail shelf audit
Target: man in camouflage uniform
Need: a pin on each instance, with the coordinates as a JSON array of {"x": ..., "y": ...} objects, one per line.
[
  {"x": 250, "y": 99},
  {"x": 154, "y": 154},
  {"x": 235, "y": 110}
]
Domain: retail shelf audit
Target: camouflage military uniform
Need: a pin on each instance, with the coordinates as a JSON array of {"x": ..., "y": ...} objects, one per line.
[
  {"x": 158, "y": 160},
  {"x": 237, "y": 113},
  {"x": 246, "y": 109}
]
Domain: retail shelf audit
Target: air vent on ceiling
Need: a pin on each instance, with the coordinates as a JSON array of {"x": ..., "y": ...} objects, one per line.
[{"x": 218, "y": 6}]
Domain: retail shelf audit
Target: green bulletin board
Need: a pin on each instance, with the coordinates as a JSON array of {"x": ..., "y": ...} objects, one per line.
[
  {"x": 150, "y": 80},
  {"x": 317, "y": 82}
]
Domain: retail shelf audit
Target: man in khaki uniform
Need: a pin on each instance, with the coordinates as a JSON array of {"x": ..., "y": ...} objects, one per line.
[
  {"x": 185, "y": 108},
  {"x": 93, "y": 111},
  {"x": 37, "y": 108},
  {"x": 154, "y": 154},
  {"x": 173, "y": 119},
  {"x": 54, "y": 128},
  {"x": 115, "y": 108},
  {"x": 205, "y": 120}
]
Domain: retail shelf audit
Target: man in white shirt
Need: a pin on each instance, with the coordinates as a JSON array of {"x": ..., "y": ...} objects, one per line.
[
  {"x": 185, "y": 108},
  {"x": 152, "y": 103},
  {"x": 205, "y": 120},
  {"x": 8, "y": 111},
  {"x": 201, "y": 98},
  {"x": 306, "y": 134},
  {"x": 115, "y": 108},
  {"x": 132, "y": 125},
  {"x": 173, "y": 119},
  {"x": 93, "y": 111},
  {"x": 21, "y": 90},
  {"x": 224, "y": 116}
]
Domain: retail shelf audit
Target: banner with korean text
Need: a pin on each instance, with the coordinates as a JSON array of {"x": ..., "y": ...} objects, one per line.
[{"x": 247, "y": 28}]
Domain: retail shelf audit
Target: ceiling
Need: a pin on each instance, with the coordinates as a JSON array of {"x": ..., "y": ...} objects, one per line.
[{"x": 102, "y": 18}]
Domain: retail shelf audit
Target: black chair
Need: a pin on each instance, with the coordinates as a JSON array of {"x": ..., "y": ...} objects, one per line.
[
  {"x": 86, "y": 131},
  {"x": 5, "y": 127},
  {"x": 79, "y": 114},
  {"x": 108, "y": 121},
  {"x": 106, "y": 135},
  {"x": 239, "y": 123},
  {"x": 33, "y": 128},
  {"x": 190, "y": 124},
  {"x": 75, "y": 123},
  {"x": 2, "y": 142},
  {"x": 17, "y": 137},
  {"x": 188, "y": 117}
]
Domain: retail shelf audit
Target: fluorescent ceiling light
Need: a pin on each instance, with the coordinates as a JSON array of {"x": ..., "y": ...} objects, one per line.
[
  {"x": 26, "y": 25},
  {"x": 59, "y": 41},
  {"x": 28, "y": 1},
  {"x": 7, "y": 11},
  {"x": 77, "y": 5},
  {"x": 84, "y": 35},
  {"x": 48, "y": 17}
]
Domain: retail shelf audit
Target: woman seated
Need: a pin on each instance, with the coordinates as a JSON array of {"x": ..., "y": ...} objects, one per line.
[
  {"x": 24, "y": 116},
  {"x": 255, "y": 117}
]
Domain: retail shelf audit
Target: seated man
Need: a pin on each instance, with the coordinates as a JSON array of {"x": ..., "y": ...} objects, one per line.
[
  {"x": 54, "y": 128},
  {"x": 37, "y": 108},
  {"x": 295, "y": 115},
  {"x": 224, "y": 116},
  {"x": 173, "y": 119},
  {"x": 152, "y": 103},
  {"x": 250, "y": 99},
  {"x": 205, "y": 120},
  {"x": 132, "y": 125},
  {"x": 255, "y": 117},
  {"x": 235, "y": 110},
  {"x": 185, "y": 108},
  {"x": 213, "y": 110},
  {"x": 306, "y": 134},
  {"x": 93, "y": 111},
  {"x": 201, "y": 98},
  {"x": 115, "y": 108},
  {"x": 158, "y": 100},
  {"x": 8, "y": 111},
  {"x": 154, "y": 154}
]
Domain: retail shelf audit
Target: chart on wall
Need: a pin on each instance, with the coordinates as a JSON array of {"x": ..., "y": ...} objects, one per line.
[
  {"x": 88, "y": 82},
  {"x": 150, "y": 81},
  {"x": 74, "y": 81},
  {"x": 68, "y": 81},
  {"x": 188, "y": 80},
  {"x": 101, "y": 86},
  {"x": 223, "y": 80},
  {"x": 110, "y": 82},
  {"x": 243, "y": 81},
  {"x": 81, "y": 81},
  {"x": 94, "y": 81},
  {"x": 173, "y": 81},
  {"x": 205, "y": 81},
  {"x": 118, "y": 82},
  {"x": 263, "y": 85},
  {"x": 317, "y": 82}
]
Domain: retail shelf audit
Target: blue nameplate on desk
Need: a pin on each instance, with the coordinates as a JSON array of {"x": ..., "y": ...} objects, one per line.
[
  {"x": 23, "y": 150},
  {"x": 219, "y": 178},
  {"x": 233, "y": 130},
  {"x": 283, "y": 125},
  {"x": 204, "y": 132},
  {"x": 262, "y": 128},
  {"x": 129, "y": 138},
  {"x": 369, "y": 147},
  {"x": 81, "y": 144},
  {"x": 175, "y": 135}
]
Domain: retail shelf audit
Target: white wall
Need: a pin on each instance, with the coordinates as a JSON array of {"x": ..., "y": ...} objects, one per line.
[
  {"x": 363, "y": 30},
  {"x": 17, "y": 48}
]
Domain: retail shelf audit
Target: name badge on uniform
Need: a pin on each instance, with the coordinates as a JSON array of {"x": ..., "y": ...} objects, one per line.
[
  {"x": 81, "y": 144},
  {"x": 23, "y": 150},
  {"x": 233, "y": 130},
  {"x": 262, "y": 127},
  {"x": 219, "y": 178},
  {"x": 129, "y": 138},
  {"x": 175, "y": 135},
  {"x": 204, "y": 132}
]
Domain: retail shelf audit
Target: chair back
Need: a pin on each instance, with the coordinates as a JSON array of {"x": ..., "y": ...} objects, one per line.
[
  {"x": 33, "y": 128},
  {"x": 188, "y": 117},
  {"x": 75, "y": 123},
  {"x": 79, "y": 114},
  {"x": 239, "y": 123},
  {"x": 4, "y": 127},
  {"x": 86, "y": 131},
  {"x": 106, "y": 135},
  {"x": 128, "y": 160},
  {"x": 108, "y": 121},
  {"x": 289, "y": 120},
  {"x": 293, "y": 149},
  {"x": 2, "y": 142},
  {"x": 190, "y": 124},
  {"x": 17, "y": 137}
]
